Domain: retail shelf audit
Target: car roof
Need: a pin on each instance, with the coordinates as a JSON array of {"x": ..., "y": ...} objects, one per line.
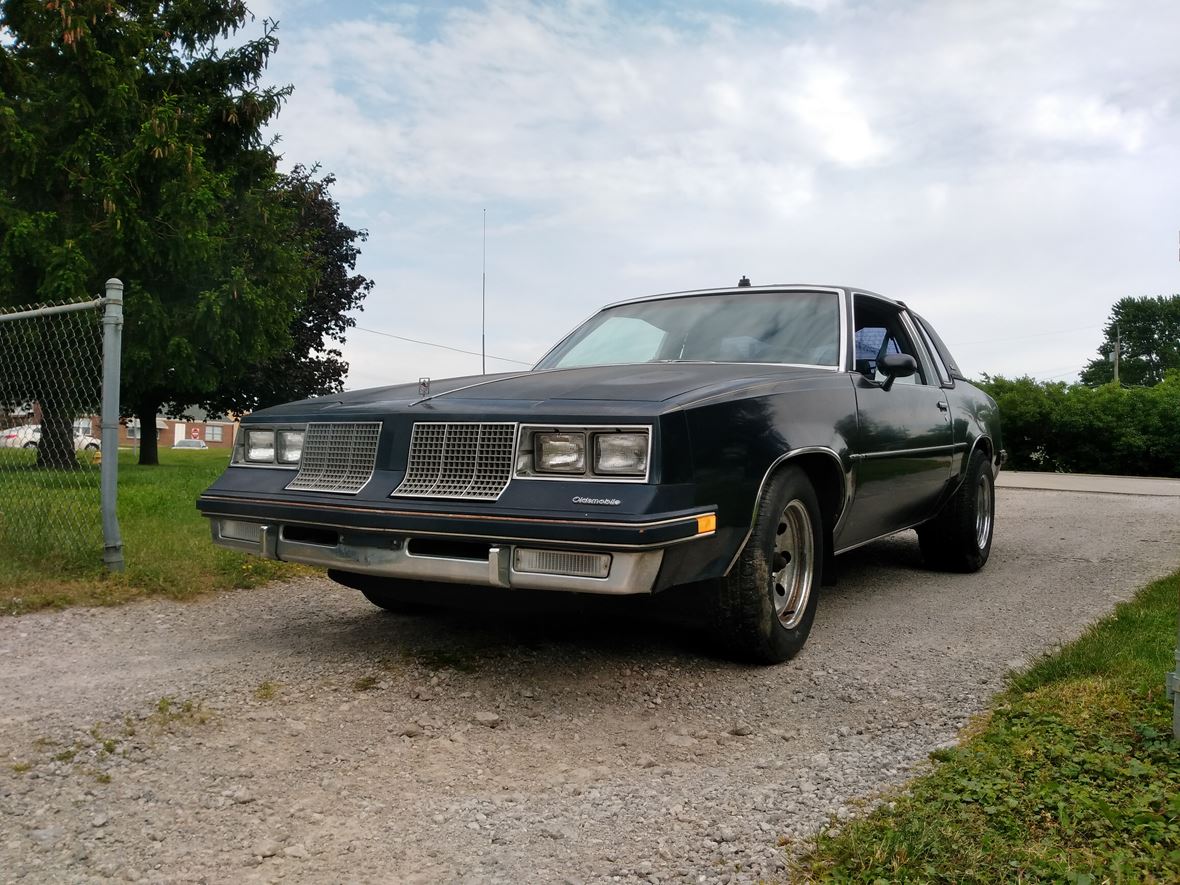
[{"x": 749, "y": 290}]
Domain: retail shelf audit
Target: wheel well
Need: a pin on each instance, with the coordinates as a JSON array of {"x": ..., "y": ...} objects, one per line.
[
  {"x": 827, "y": 479},
  {"x": 983, "y": 444}
]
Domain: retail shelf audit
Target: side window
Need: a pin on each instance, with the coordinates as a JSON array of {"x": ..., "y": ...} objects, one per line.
[
  {"x": 944, "y": 376},
  {"x": 940, "y": 348},
  {"x": 879, "y": 332}
]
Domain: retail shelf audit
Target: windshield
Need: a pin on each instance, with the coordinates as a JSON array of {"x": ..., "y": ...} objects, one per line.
[{"x": 797, "y": 328}]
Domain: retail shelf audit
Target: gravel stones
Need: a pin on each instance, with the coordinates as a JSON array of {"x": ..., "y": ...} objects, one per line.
[
  {"x": 267, "y": 848},
  {"x": 597, "y": 746},
  {"x": 486, "y": 719}
]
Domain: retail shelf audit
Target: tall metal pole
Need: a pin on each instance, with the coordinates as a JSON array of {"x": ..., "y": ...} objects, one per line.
[
  {"x": 112, "y": 347},
  {"x": 1118, "y": 346},
  {"x": 483, "y": 297},
  {"x": 1173, "y": 683}
]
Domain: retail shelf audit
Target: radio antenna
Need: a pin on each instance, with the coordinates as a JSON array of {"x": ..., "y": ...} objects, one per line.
[{"x": 483, "y": 297}]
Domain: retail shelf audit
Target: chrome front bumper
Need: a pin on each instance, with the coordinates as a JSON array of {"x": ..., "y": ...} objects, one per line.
[{"x": 629, "y": 572}]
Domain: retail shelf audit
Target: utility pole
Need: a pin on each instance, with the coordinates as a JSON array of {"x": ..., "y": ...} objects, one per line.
[
  {"x": 1116, "y": 352},
  {"x": 483, "y": 297}
]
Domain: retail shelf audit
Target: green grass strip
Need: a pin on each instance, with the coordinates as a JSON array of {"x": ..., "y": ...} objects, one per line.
[
  {"x": 166, "y": 542},
  {"x": 1073, "y": 777}
]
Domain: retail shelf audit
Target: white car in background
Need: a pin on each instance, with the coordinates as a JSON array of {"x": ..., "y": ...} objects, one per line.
[
  {"x": 28, "y": 436},
  {"x": 20, "y": 436}
]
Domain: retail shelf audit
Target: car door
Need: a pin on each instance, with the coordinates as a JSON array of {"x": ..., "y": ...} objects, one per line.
[{"x": 903, "y": 441}]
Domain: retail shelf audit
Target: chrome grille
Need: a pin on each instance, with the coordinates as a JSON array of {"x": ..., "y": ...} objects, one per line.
[
  {"x": 454, "y": 460},
  {"x": 337, "y": 458}
]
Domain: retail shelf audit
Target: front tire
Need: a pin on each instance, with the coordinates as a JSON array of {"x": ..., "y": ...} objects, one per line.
[
  {"x": 766, "y": 604},
  {"x": 959, "y": 538}
]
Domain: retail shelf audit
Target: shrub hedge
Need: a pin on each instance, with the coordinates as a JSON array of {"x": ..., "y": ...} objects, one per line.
[{"x": 1054, "y": 426}]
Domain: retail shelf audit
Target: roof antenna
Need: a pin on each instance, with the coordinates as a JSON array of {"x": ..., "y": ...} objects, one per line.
[
  {"x": 743, "y": 282},
  {"x": 483, "y": 301}
]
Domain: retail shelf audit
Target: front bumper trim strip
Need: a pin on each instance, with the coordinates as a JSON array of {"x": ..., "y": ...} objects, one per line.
[{"x": 631, "y": 573}]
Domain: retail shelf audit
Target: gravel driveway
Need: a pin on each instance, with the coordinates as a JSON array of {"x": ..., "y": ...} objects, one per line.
[{"x": 308, "y": 736}]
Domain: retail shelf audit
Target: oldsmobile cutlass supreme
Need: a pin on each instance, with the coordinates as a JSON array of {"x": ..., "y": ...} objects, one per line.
[{"x": 732, "y": 439}]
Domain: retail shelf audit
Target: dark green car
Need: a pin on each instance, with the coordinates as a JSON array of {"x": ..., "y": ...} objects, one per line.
[{"x": 736, "y": 440}]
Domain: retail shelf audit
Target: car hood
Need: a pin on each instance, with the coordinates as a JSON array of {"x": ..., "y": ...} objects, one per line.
[{"x": 654, "y": 383}]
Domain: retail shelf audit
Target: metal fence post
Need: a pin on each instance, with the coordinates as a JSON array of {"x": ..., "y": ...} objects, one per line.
[
  {"x": 1174, "y": 689},
  {"x": 112, "y": 347}
]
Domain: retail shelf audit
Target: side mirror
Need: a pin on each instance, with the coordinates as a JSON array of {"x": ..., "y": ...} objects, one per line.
[{"x": 896, "y": 365}]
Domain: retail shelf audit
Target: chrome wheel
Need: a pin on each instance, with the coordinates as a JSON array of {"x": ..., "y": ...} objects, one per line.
[
  {"x": 793, "y": 564},
  {"x": 983, "y": 512}
]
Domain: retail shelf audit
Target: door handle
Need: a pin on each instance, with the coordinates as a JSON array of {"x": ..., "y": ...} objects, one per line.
[{"x": 942, "y": 406}]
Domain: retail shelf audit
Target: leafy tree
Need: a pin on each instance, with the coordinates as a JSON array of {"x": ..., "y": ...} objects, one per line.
[
  {"x": 311, "y": 366},
  {"x": 132, "y": 145},
  {"x": 1149, "y": 329}
]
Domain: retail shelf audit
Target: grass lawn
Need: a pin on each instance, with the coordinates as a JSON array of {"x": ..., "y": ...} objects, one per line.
[
  {"x": 1073, "y": 777},
  {"x": 166, "y": 543}
]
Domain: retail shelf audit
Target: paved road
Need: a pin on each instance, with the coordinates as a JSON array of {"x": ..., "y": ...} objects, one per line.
[
  {"x": 1089, "y": 482},
  {"x": 330, "y": 742}
]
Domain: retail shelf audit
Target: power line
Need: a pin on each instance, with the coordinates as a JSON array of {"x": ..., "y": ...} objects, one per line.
[
  {"x": 503, "y": 359},
  {"x": 1058, "y": 375},
  {"x": 1025, "y": 337}
]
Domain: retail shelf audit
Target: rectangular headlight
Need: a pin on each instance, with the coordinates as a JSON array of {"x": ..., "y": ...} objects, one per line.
[
  {"x": 290, "y": 446},
  {"x": 620, "y": 454},
  {"x": 559, "y": 452},
  {"x": 260, "y": 446}
]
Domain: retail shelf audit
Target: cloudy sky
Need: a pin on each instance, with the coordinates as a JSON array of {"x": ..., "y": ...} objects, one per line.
[{"x": 1008, "y": 168}]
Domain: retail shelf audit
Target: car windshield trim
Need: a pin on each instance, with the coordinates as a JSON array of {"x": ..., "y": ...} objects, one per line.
[
  {"x": 827, "y": 367},
  {"x": 801, "y": 326}
]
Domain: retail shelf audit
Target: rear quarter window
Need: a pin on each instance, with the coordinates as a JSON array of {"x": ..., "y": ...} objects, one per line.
[{"x": 943, "y": 353}]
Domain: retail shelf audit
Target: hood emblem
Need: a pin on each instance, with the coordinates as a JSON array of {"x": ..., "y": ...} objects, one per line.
[
  {"x": 608, "y": 502},
  {"x": 423, "y": 387}
]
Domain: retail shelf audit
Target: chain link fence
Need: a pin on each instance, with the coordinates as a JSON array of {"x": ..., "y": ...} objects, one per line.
[{"x": 59, "y": 412}]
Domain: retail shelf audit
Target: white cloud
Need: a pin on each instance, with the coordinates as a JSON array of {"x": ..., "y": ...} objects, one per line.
[
  {"x": 837, "y": 121},
  {"x": 818, "y": 6},
  {"x": 1090, "y": 120}
]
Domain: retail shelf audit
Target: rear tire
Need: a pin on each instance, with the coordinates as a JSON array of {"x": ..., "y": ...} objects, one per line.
[
  {"x": 959, "y": 538},
  {"x": 385, "y": 593},
  {"x": 766, "y": 604}
]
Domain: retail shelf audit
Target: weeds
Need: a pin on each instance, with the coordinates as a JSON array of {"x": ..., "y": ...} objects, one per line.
[{"x": 170, "y": 711}]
